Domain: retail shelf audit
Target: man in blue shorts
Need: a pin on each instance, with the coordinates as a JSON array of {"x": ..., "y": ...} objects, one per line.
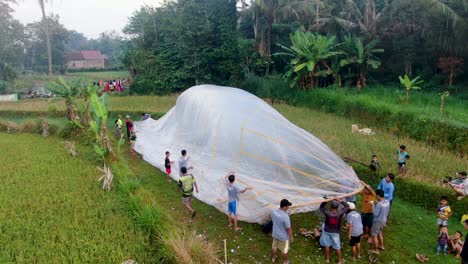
[
  {"x": 331, "y": 233},
  {"x": 233, "y": 198}
]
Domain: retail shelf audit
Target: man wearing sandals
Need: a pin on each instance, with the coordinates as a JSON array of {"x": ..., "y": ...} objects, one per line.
[
  {"x": 282, "y": 232},
  {"x": 381, "y": 210}
]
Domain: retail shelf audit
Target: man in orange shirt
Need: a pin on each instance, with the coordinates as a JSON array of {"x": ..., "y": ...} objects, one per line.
[{"x": 367, "y": 211}]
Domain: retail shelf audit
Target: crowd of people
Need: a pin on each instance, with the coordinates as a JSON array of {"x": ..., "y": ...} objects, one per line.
[
  {"x": 368, "y": 224},
  {"x": 118, "y": 85}
]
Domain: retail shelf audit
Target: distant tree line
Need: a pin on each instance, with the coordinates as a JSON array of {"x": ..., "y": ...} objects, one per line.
[
  {"x": 312, "y": 43},
  {"x": 24, "y": 47}
]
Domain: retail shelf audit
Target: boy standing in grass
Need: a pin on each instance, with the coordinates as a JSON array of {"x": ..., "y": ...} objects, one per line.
[
  {"x": 233, "y": 198},
  {"x": 442, "y": 240},
  {"x": 381, "y": 211},
  {"x": 374, "y": 164},
  {"x": 282, "y": 232},
  {"x": 443, "y": 212},
  {"x": 403, "y": 156},
  {"x": 355, "y": 230},
  {"x": 183, "y": 161},
  {"x": 167, "y": 165},
  {"x": 186, "y": 183}
]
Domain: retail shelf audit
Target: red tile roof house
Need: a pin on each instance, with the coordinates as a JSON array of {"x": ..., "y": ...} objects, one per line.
[{"x": 86, "y": 59}]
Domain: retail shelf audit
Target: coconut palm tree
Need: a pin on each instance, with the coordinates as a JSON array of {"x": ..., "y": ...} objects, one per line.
[
  {"x": 266, "y": 12},
  {"x": 47, "y": 34}
]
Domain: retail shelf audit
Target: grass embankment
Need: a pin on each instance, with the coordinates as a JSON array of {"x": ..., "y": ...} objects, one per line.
[
  {"x": 380, "y": 107},
  {"x": 53, "y": 211}
]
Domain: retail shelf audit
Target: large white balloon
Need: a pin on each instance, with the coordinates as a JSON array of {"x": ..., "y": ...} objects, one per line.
[{"x": 225, "y": 129}]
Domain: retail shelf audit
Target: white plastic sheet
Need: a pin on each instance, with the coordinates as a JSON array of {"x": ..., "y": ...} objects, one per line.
[{"x": 226, "y": 129}]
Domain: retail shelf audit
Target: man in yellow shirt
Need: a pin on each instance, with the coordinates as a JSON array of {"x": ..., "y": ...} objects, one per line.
[{"x": 118, "y": 126}]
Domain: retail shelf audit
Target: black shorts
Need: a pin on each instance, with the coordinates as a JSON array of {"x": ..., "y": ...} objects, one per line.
[
  {"x": 401, "y": 164},
  {"x": 367, "y": 219},
  {"x": 354, "y": 240}
]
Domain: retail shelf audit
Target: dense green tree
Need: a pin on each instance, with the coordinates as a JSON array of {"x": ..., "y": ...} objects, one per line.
[
  {"x": 37, "y": 55},
  {"x": 192, "y": 42}
]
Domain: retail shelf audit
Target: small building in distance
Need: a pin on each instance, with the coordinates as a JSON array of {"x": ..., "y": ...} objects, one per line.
[{"x": 86, "y": 59}]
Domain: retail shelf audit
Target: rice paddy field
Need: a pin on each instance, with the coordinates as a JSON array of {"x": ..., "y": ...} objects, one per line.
[{"x": 52, "y": 209}]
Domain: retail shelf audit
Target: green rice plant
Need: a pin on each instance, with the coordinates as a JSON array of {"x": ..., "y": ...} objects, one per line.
[{"x": 52, "y": 211}]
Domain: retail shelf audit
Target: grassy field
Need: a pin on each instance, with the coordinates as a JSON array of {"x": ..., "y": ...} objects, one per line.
[
  {"x": 426, "y": 164},
  {"x": 96, "y": 76},
  {"x": 53, "y": 211},
  {"x": 411, "y": 229},
  {"x": 393, "y": 98}
]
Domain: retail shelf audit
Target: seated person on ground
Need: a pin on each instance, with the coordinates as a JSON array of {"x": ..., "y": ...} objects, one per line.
[
  {"x": 460, "y": 186},
  {"x": 455, "y": 244}
]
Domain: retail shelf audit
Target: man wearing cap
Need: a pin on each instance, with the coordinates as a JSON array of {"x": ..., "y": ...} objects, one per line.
[
  {"x": 355, "y": 230},
  {"x": 331, "y": 233},
  {"x": 282, "y": 232},
  {"x": 461, "y": 188}
]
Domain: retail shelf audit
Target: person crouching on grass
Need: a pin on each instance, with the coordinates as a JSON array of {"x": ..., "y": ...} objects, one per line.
[
  {"x": 355, "y": 230},
  {"x": 282, "y": 232},
  {"x": 233, "y": 198},
  {"x": 186, "y": 183}
]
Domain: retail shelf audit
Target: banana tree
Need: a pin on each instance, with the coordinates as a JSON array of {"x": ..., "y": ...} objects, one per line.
[
  {"x": 359, "y": 57},
  {"x": 68, "y": 92},
  {"x": 103, "y": 145},
  {"x": 409, "y": 85},
  {"x": 310, "y": 53}
]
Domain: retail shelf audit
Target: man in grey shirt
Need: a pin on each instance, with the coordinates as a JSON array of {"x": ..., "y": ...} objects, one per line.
[
  {"x": 233, "y": 198},
  {"x": 380, "y": 220},
  {"x": 282, "y": 232},
  {"x": 183, "y": 161}
]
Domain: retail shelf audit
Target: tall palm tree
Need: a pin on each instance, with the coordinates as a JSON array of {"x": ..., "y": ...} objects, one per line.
[
  {"x": 266, "y": 12},
  {"x": 47, "y": 34}
]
